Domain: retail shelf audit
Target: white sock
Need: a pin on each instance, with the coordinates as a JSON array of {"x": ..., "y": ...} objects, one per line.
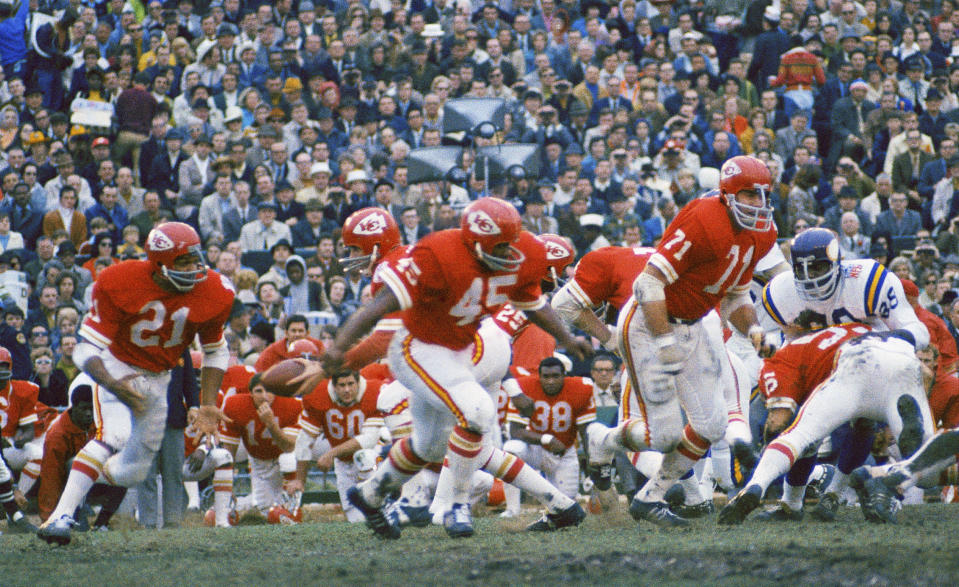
[
  {"x": 793, "y": 496},
  {"x": 86, "y": 469}
]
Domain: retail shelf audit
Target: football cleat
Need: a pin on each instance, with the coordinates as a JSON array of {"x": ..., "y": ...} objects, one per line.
[
  {"x": 568, "y": 518},
  {"x": 826, "y": 509},
  {"x": 20, "y": 526},
  {"x": 459, "y": 521},
  {"x": 740, "y": 506},
  {"x": 910, "y": 439},
  {"x": 781, "y": 512},
  {"x": 400, "y": 513},
  {"x": 818, "y": 486},
  {"x": 697, "y": 510},
  {"x": 57, "y": 531},
  {"x": 656, "y": 512},
  {"x": 882, "y": 496},
  {"x": 857, "y": 480},
  {"x": 375, "y": 520}
]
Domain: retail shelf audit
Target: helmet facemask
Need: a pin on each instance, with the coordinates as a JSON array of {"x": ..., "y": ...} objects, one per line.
[
  {"x": 364, "y": 262},
  {"x": 816, "y": 279},
  {"x": 494, "y": 263},
  {"x": 185, "y": 281},
  {"x": 758, "y": 218}
]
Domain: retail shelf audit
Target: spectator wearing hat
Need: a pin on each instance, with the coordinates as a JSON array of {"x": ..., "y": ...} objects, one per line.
[
  {"x": 411, "y": 228},
  {"x": 313, "y": 224},
  {"x": 914, "y": 87},
  {"x": 289, "y": 211},
  {"x": 848, "y": 201},
  {"x": 932, "y": 121},
  {"x": 848, "y": 118},
  {"x": 770, "y": 45},
  {"x": 620, "y": 216},
  {"x": 301, "y": 295},
  {"x": 165, "y": 168},
  {"x": 280, "y": 252},
  {"x": 264, "y": 232},
  {"x": 194, "y": 175}
]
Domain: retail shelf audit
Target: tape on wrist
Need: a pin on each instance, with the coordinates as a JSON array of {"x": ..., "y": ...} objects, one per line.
[{"x": 545, "y": 439}]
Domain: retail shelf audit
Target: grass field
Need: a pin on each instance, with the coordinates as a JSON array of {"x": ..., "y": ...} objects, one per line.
[{"x": 607, "y": 549}]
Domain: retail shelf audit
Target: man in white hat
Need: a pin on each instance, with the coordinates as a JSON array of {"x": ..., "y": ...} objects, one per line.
[
  {"x": 320, "y": 173},
  {"x": 770, "y": 45},
  {"x": 356, "y": 185}
]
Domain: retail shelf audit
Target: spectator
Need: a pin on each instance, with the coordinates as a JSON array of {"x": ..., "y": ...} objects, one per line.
[
  {"x": 53, "y": 382},
  {"x": 66, "y": 217},
  {"x": 898, "y": 224}
]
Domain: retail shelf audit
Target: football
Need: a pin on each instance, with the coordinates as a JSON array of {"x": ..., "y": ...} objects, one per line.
[{"x": 277, "y": 378}]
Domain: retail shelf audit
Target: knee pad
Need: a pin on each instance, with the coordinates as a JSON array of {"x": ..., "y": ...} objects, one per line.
[
  {"x": 126, "y": 474},
  {"x": 713, "y": 429},
  {"x": 476, "y": 405},
  {"x": 287, "y": 462},
  {"x": 515, "y": 447}
]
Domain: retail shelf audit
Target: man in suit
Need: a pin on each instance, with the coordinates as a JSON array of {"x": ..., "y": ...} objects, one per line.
[
  {"x": 165, "y": 169},
  {"x": 769, "y": 47},
  {"x": 848, "y": 119},
  {"x": 613, "y": 100},
  {"x": 214, "y": 207},
  {"x": 194, "y": 175},
  {"x": 23, "y": 218},
  {"x": 535, "y": 218},
  {"x": 897, "y": 223},
  {"x": 411, "y": 230},
  {"x": 242, "y": 213},
  {"x": 935, "y": 170},
  {"x": 306, "y": 232},
  {"x": 788, "y": 138},
  {"x": 251, "y": 74},
  {"x": 907, "y": 168}
]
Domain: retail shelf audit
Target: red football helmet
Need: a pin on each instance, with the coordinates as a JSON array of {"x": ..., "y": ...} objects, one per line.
[
  {"x": 6, "y": 364},
  {"x": 371, "y": 231},
  {"x": 489, "y": 222},
  {"x": 747, "y": 173},
  {"x": 303, "y": 348},
  {"x": 209, "y": 518},
  {"x": 167, "y": 243},
  {"x": 559, "y": 254}
]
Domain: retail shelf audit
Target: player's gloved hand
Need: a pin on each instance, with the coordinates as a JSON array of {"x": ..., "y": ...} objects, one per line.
[
  {"x": 195, "y": 461},
  {"x": 669, "y": 355}
]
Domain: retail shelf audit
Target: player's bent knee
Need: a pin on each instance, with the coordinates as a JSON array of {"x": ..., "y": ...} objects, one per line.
[{"x": 478, "y": 409}]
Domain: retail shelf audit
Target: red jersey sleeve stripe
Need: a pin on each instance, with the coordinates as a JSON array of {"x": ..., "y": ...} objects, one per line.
[
  {"x": 94, "y": 337},
  {"x": 396, "y": 285},
  {"x": 579, "y": 295},
  {"x": 309, "y": 427},
  {"x": 660, "y": 262}
]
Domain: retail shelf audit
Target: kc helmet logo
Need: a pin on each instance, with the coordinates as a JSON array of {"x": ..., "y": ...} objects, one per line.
[
  {"x": 554, "y": 251},
  {"x": 372, "y": 224},
  {"x": 158, "y": 241},
  {"x": 481, "y": 223},
  {"x": 730, "y": 169}
]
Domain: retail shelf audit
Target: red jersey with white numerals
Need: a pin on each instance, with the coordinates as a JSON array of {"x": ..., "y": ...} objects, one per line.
[
  {"x": 247, "y": 426},
  {"x": 788, "y": 377},
  {"x": 148, "y": 327},
  {"x": 511, "y": 321},
  {"x": 18, "y": 406},
  {"x": 445, "y": 292},
  {"x": 704, "y": 255},
  {"x": 558, "y": 414},
  {"x": 323, "y": 413},
  {"x": 607, "y": 275}
]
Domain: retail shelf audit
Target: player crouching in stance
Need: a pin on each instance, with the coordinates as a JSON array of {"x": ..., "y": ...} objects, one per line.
[
  {"x": 706, "y": 258},
  {"x": 446, "y": 284},
  {"x": 142, "y": 316},
  {"x": 875, "y": 376}
]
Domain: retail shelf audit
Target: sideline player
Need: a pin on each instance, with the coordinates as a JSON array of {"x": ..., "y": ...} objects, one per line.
[
  {"x": 446, "y": 284},
  {"x": 20, "y": 425},
  {"x": 143, "y": 315},
  {"x": 874, "y": 375},
  {"x": 705, "y": 258}
]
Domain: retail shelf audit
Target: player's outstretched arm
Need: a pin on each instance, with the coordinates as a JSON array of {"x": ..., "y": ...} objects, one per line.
[
  {"x": 547, "y": 319},
  {"x": 359, "y": 324}
]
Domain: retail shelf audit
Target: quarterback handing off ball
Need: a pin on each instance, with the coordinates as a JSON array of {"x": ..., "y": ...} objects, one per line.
[{"x": 277, "y": 378}]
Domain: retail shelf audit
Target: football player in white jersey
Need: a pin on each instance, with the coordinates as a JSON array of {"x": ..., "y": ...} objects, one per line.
[{"x": 839, "y": 291}]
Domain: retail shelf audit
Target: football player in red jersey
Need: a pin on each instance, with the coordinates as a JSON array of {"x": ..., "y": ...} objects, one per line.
[
  {"x": 267, "y": 426},
  {"x": 705, "y": 259},
  {"x": 346, "y": 411},
  {"x": 562, "y": 406},
  {"x": 875, "y": 375},
  {"x": 142, "y": 316},
  {"x": 18, "y": 416},
  {"x": 446, "y": 284},
  {"x": 297, "y": 328}
]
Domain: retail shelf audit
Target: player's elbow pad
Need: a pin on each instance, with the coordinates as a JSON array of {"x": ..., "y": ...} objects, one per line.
[
  {"x": 304, "y": 446},
  {"x": 566, "y": 305},
  {"x": 647, "y": 288},
  {"x": 218, "y": 358}
]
